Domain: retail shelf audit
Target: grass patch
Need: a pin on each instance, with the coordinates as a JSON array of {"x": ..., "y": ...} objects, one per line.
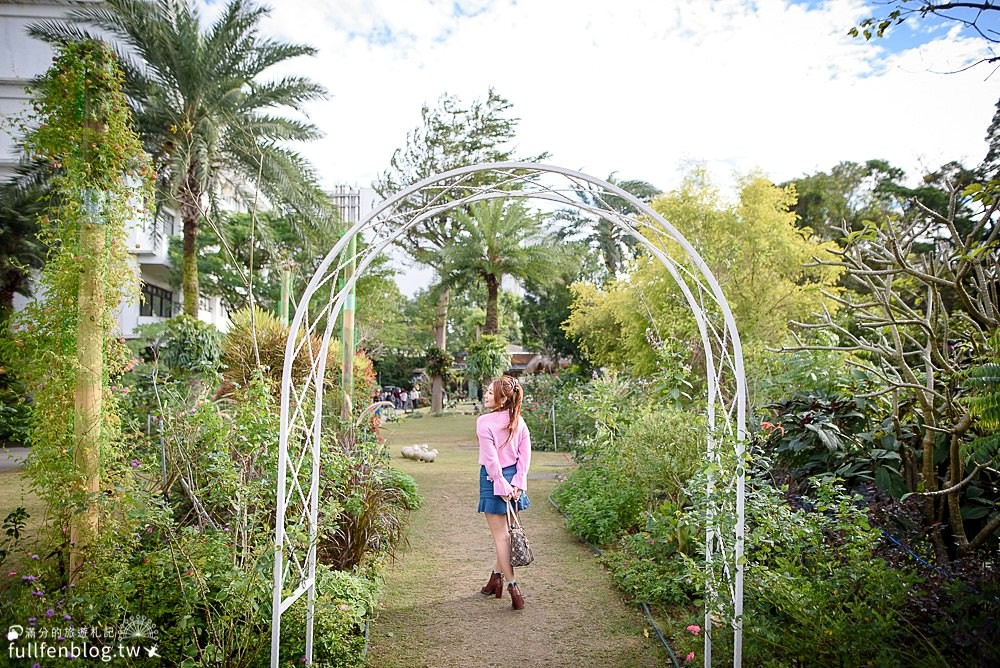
[
  {"x": 14, "y": 493},
  {"x": 450, "y": 429}
]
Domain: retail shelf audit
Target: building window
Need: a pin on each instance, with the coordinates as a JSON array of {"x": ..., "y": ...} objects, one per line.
[{"x": 156, "y": 301}]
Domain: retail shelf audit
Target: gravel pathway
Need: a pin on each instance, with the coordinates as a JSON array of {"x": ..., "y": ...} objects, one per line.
[{"x": 432, "y": 613}]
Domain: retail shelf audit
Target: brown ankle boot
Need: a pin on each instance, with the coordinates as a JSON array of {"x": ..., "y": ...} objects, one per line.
[
  {"x": 516, "y": 600},
  {"x": 494, "y": 586}
]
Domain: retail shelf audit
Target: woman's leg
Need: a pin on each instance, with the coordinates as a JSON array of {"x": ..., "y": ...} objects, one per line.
[{"x": 501, "y": 540}]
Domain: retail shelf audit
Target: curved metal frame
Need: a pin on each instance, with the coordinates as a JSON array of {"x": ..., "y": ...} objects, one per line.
[{"x": 302, "y": 398}]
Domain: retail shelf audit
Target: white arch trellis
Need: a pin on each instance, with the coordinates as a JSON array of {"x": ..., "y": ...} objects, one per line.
[{"x": 303, "y": 385}]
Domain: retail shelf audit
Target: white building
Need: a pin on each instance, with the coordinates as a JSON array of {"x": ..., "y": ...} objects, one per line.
[
  {"x": 21, "y": 59},
  {"x": 354, "y": 203}
]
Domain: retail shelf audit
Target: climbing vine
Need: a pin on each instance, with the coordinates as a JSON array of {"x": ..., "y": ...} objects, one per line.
[{"x": 64, "y": 341}]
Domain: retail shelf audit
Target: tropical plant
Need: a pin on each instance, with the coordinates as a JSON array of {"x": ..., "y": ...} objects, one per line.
[
  {"x": 488, "y": 358},
  {"x": 22, "y": 200},
  {"x": 368, "y": 503},
  {"x": 616, "y": 247},
  {"x": 495, "y": 239},
  {"x": 452, "y": 135},
  {"x": 913, "y": 304},
  {"x": 819, "y": 435},
  {"x": 203, "y": 110},
  {"x": 184, "y": 344}
]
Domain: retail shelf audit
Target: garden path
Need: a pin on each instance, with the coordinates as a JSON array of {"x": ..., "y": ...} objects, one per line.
[{"x": 431, "y": 612}]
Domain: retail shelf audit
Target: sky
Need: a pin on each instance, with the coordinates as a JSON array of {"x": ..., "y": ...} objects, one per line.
[{"x": 645, "y": 89}]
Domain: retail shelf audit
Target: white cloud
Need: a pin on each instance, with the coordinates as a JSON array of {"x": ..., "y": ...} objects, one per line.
[{"x": 641, "y": 87}]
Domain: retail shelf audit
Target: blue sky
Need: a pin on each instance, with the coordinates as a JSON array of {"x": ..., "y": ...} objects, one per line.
[{"x": 645, "y": 88}]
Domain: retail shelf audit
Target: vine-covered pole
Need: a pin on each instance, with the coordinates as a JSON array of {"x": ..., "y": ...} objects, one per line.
[{"x": 100, "y": 176}]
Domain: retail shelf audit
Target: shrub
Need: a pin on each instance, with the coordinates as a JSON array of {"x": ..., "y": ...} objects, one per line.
[
  {"x": 541, "y": 393},
  {"x": 184, "y": 344},
  {"x": 364, "y": 507},
  {"x": 815, "y": 434},
  {"x": 599, "y": 503},
  {"x": 816, "y": 591},
  {"x": 259, "y": 343},
  {"x": 648, "y": 565},
  {"x": 488, "y": 358}
]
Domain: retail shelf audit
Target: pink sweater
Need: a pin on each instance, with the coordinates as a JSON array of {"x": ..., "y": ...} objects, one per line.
[{"x": 491, "y": 429}]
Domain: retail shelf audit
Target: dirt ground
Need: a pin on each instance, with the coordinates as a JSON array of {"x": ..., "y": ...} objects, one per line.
[{"x": 432, "y": 614}]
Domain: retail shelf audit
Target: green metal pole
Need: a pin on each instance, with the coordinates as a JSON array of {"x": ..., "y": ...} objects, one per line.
[
  {"x": 347, "y": 333},
  {"x": 286, "y": 293}
]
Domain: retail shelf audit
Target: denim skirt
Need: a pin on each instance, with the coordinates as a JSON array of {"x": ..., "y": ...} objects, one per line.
[{"x": 493, "y": 504}]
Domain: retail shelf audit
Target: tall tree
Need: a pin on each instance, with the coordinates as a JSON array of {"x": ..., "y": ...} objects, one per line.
[
  {"x": 850, "y": 193},
  {"x": 755, "y": 251},
  {"x": 202, "y": 108},
  {"x": 451, "y": 135},
  {"x": 615, "y": 246},
  {"x": 498, "y": 238}
]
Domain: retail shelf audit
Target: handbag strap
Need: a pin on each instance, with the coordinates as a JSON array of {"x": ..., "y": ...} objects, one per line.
[{"x": 512, "y": 520}]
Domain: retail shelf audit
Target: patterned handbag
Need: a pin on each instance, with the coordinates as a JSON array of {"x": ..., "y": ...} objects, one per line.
[{"x": 520, "y": 549}]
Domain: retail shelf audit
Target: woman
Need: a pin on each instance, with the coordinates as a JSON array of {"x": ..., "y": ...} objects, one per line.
[{"x": 504, "y": 457}]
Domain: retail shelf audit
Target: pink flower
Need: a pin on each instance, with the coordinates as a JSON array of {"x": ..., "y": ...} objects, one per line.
[
  {"x": 694, "y": 628},
  {"x": 344, "y": 606},
  {"x": 689, "y": 658}
]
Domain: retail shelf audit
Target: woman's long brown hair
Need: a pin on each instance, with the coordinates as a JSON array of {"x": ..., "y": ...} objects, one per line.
[{"x": 509, "y": 395}]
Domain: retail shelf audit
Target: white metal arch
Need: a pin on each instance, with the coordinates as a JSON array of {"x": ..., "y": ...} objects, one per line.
[{"x": 296, "y": 518}]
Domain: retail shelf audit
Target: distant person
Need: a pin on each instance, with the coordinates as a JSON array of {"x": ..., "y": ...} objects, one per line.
[
  {"x": 504, "y": 457},
  {"x": 415, "y": 397},
  {"x": 404, "y": 396}
]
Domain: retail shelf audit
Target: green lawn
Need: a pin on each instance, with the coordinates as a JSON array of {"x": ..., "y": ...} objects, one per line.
[{"x": 14, "y": 492}]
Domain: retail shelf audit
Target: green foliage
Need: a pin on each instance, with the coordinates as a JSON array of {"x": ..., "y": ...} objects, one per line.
[
  {"x": 438, "y": 362},
  {"x": 15, "y": 409},
  {"x": 205, "y": 112},
  {"x": 541, "y": 393},
  {"x": 616, "y": 248},
  {"x": 830, "y": 436},
  {"x": 763, "y": 262},
  {"x": 487, "y": 359},
  {"x": 543, "y": 311},
  {"x": 22, "y": 201},
  {"x": 365, "y": 504},
  {"x": 184, "y": 344},
  {"x": 13, "y": 527},
  {"x": 452, "y": 134},
  {"x": 638, "y": 456},
  {"x": 648, "y": 565},
  {"x": 256, "y": 341},
  {"x": 193, "y": 552},
  {"x": 816, "y": 589},
  {"x": 983, "y": 383},
  {"x": 99, "y": 172},
  {"x": 498, "y": 238},
  {"x": 599, "y": 503}
]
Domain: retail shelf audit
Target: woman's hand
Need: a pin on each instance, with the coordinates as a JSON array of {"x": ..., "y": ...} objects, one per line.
[{"x": 516, "y": 494}]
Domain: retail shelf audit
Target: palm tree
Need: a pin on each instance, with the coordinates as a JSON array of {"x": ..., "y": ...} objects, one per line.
[
  {"x": 500, "y": 239},
  {"x": 22, "y": 199},
  {"x": 603, "y": 235},
  {"x": 202, "y": 110}
]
